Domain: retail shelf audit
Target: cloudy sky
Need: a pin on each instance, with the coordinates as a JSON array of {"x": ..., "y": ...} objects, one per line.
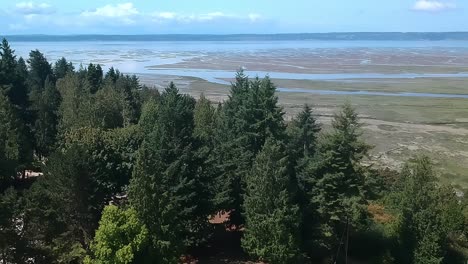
[{"x": 225, "y": 17}]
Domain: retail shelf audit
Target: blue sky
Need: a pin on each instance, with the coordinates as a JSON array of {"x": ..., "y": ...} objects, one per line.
[{"x": 226, "y": 17}]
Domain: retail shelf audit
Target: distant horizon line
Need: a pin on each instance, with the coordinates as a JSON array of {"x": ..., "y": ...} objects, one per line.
[
  {"x": 372, "y": 36},
  {"x": 234, "y": 34}
]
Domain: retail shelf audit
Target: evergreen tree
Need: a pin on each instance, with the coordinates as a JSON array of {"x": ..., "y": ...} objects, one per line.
[
  {"x": 272, "y": 218},
  {"x": 106, "y": 109},
  {"x": 94, "y": 75},
  {"x": 303, "y": 139},
  {"x": 62, "y": 67},
  {"x": 303, "y": 132},
  {"x": 12, "y": 142},
  {"x": 112, "y": 152},
  {"x": 247, "y": 119},
  {"x": 7, "y": 63},
  {"x": 427, "y": 215},
  {"x": 128, "y": 88},
  {"x": 74, "y": 96},
  {"x": 149, "y": 116},
  {"x": 39, "y": 70},
  {"x": 204, "y": 120},
  {"x": 11, "y": 242},
  {"x": 45, "y": 127},
  {"x": 166, "y": 190},
  {"x": 64, "y": 206},
  {"x": 12, "y": 78},
  {"x": 335, "y": 180}
]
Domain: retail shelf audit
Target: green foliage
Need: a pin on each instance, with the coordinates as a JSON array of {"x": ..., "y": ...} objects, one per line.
[
  {"x": 45, "y": 127},
  {"x": 166, "y": 189},
  {"x": 246, "y": 120},
  {"x": 62, "y": 67},
  {"x": 428, "y": 215},
  {"x": 334, "y": 180},
  {"x": 11, "y": 142},
  {"x": 64, "y": 205},
  {"x": 128, "y": 88},
  {"x": 39, "y": 70},
  {"x": 120, "y": 239},
  {"x": 11, "y": 243},
  {"x": 303, "y": 131},
  {"x": 13, "y": 74},
  {"x": 80, "y": 108},
  {"x": 113, "y": 152},
  {"x": 94, "y": 77},
  {"x": 204, "y": 120},
  {"x": 272, "y": 219}
]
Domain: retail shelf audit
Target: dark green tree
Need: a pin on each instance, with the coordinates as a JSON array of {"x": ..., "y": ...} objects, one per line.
[
  {"x": 62, "y": 67},
  {"x": 129, "y": 87},
  {"x": 335, "y": 180},
  {"x": 113, "y": 152},
  {"x": 39, "y": 70},
  {"x": 12, "y": 142},
  {"x": 64, "y": 206},
  {"x": 204, "y": 120},
  {"x": 272, "y": 219},
  {"x": 7, "y": 62},
  {"x": 46, "y": 109},
  {"x": 11, "y": 243},
  {"x": 94, "y": 75},
  {"x": 428, "y": 215},
  {"x": 166, "y": 190},
  {"x": 247, "y": 119},
  {"x": 303, "y": 132}
]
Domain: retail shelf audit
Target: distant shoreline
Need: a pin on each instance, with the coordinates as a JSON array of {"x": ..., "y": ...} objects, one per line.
[{"x": 348, "y": 36}]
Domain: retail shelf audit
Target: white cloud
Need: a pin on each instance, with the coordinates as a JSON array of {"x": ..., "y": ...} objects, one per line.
[
  {"x": 119, "y": 11},
  {"x": 202, "y": 17},
  {"x": 31, "y": 8},
  {"x": 432, "y": 5}
]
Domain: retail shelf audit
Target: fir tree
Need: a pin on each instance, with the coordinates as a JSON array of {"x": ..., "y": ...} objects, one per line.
[
  {"x": 13, "y": 144},
  {"x": 335, "y": 179},
  {"x": 39, "y": 70},
  {"x": 166, "y": 190},
  {"x": 248, "y": 118},
  {"x": 62, "y": 67},
  {"x": 45, "y": 127},
  {"x": 272, "y": 218}
]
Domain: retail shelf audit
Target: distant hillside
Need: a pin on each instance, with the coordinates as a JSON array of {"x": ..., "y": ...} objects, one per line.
[{"x": 376, "y": 36}]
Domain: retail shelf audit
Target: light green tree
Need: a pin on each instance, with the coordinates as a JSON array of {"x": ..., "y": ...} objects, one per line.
[{"x": 120, "y": 239}]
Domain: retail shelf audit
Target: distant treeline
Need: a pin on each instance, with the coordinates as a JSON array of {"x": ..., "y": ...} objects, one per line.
[{"x": 376, "y": 36}]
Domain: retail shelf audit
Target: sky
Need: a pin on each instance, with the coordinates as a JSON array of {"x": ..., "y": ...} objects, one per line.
[{"x": 63, "y": 17}]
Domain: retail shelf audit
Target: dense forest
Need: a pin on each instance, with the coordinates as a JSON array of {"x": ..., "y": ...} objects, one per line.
[{"x": 97, "y": 168}]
